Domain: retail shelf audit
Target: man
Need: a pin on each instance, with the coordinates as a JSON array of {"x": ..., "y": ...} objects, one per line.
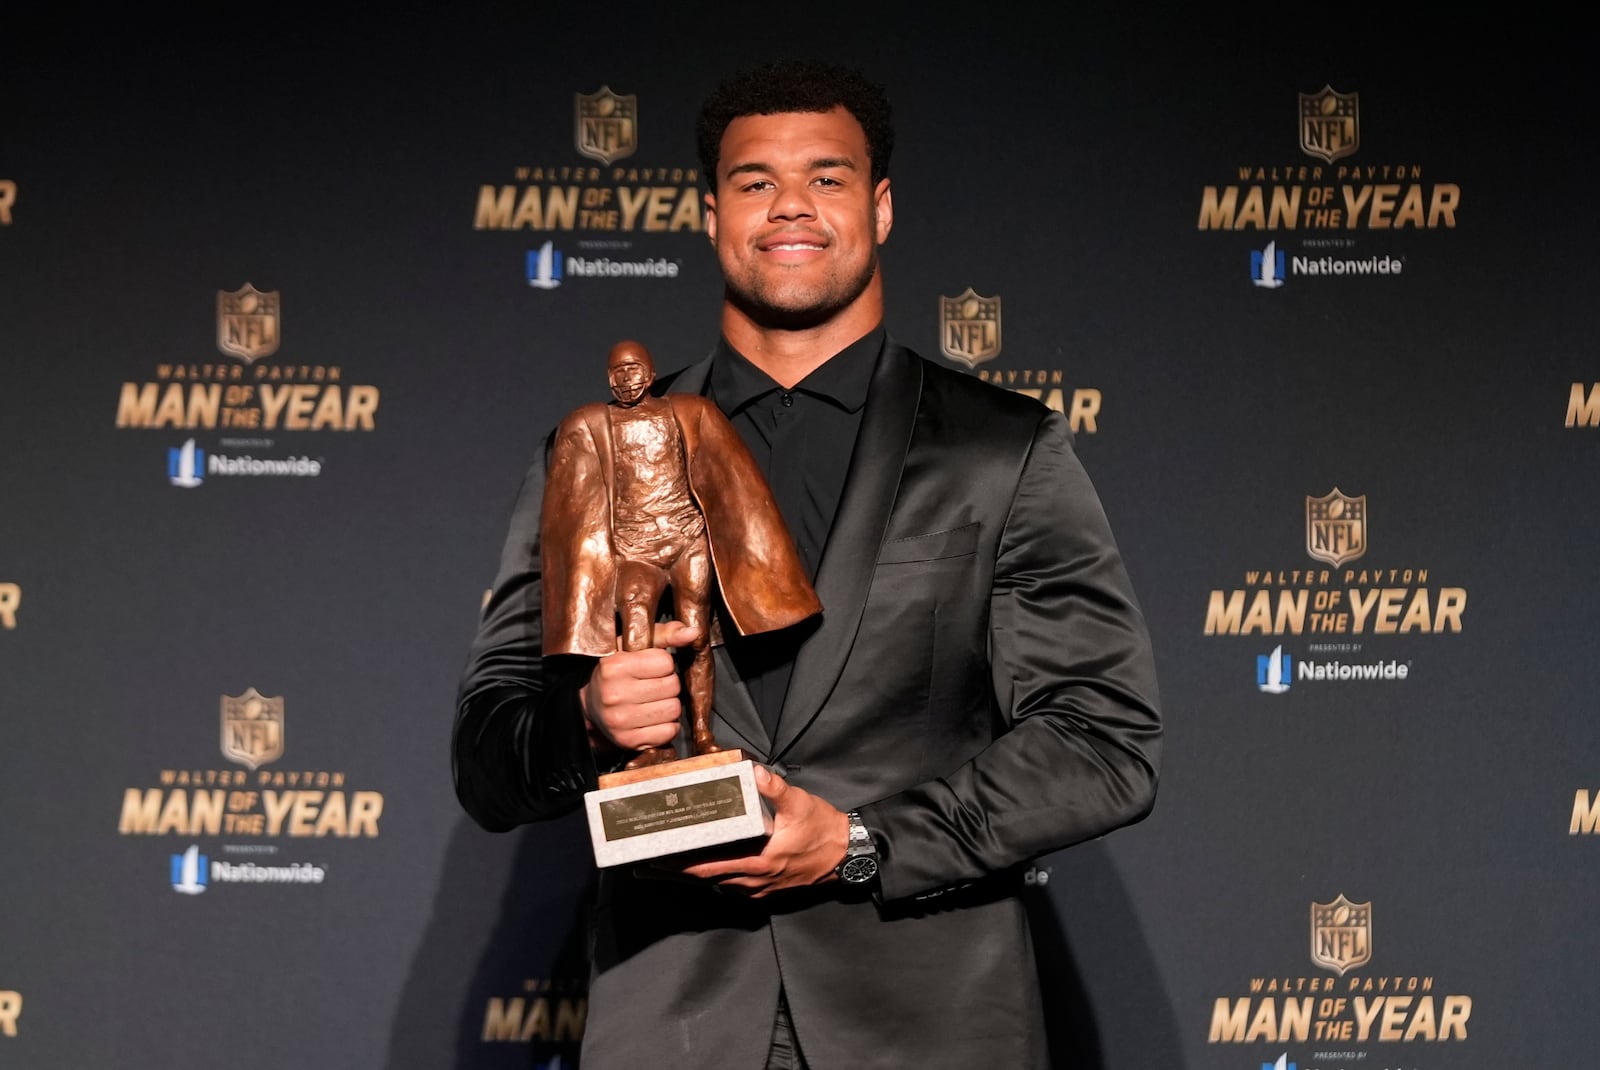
[
  {"x": 980, "y": 689},
  {"x": 636, "y": 495}
]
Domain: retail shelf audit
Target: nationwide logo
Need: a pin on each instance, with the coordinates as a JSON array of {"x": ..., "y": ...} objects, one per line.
[
  {"x": 1269, "y": 267},
  {"x": 254, "y": 803},
  {"x": 8, "y": 197},
  {"x": 189, "y": 871},
  {"x": 250, "y": 396},
  {"x": 1274, "y": 671},
  {"x": 969, "y": 328},
  {"x": 247, "y": 323},
  {"x": 1341, "y": 602},
  {"x": 606, "y": 197},
  {"x": 1392, "y": 1009},
  {"x": 1266, "y": 267},
  {"x": 10, "y": 599},
  {"x": 607, "y": 127},
  {"x": 192, "y": 872},
  {"x": 544, "y": 267},
  {"x": 188, "y": 465},
  {"x": 547, "y": 267},
  {"x": 1282, "y": 1063},
  {"x": 1334, "y": 194}
]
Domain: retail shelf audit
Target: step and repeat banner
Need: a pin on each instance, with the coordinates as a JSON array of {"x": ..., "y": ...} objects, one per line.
[{"x": 285, "y": 312}]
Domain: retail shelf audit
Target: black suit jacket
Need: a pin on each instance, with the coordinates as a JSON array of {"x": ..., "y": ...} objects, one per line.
[{"x": 981, "y": 688}]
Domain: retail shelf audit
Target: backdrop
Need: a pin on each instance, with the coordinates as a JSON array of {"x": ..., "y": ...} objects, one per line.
[{"x": 286, "y": 307}]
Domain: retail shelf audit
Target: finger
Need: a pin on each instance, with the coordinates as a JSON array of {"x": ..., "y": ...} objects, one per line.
[
  {"x": 771, "y": 786},
  {"x": 674, "y": 633},
  {"x": 649, "y": 715},
  {"x": 636, "y": 664},
  {"x": 724, "y": 869}
]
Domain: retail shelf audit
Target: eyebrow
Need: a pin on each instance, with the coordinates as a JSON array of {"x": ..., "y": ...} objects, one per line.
[{"x": 823, "y": 163}]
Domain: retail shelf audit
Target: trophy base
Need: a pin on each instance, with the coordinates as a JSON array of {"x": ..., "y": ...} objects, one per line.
[{"x": 674, "y": 807}]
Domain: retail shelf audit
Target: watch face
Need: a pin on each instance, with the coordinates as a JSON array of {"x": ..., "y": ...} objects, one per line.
[{"x": 858, "y": 870}]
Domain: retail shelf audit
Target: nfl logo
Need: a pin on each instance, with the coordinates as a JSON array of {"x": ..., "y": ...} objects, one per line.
[
  {"x": 252, "y": 728},
  {"x": 247, "y": 323},
  {"x": 1330, "y": 124},
  {"x": 608, "y": 125},
  {"x": 969, "y": 328},
  {"x": 1336, "y": 527}
]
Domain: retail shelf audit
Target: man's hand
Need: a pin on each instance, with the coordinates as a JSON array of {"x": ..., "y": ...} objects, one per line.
[
  {"x": 808, "y": 840},
  {"x": 631, "y": 699}
]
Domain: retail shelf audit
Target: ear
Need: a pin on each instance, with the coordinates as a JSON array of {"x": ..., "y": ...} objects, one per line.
[
  {"x": 883, "y": 208},
  {"x": 711, "y": 218}
]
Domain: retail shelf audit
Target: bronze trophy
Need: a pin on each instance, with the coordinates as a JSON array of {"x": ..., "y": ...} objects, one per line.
[{"x": 647, "y": 497}]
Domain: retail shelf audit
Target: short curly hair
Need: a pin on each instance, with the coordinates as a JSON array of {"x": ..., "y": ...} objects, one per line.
[{"x": 795, "y": 85}]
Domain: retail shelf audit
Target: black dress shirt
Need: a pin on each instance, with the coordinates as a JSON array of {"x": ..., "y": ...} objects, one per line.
[{"x": 802, "y": 439}]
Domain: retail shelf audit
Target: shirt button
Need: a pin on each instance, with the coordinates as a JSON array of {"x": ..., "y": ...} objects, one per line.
[{"x": 788, "y": 399}]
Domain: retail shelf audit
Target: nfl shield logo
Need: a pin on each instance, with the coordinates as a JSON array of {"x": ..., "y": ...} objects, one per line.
[
  {"x": 969, "y": 328},
  {"x": 1330, "y": 123},
  {"x": 1341, "y": 934},
  {"x": 247, "y": 323},
  {"x": 252, "y": 728},
  {"x": 608, "y": 125},
  {"x": 1336, "y": 527}
]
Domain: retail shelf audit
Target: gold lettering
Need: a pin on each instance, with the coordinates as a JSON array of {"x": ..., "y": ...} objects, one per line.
[
  {"x": 494, "y": 208},
  {"x": 1228, "y": 1020},
  {"x": 1217, "y": 211},
  {"x": 1446, "y": 195},
  {"x": 1085, "y": 407},
  {"x": 278, "y": 807},
  {"x": 1582, "y": 410},
  {"x": 10, "y": 599},
  {"x": 10, "y": 1006},
  {"x": 366, "y": 808},
  {"x": 1453, "y": 1022},
  {"x": 1365, "y": 1015},
  {"x": 1585, "y": 813},
  {"x": 633, "y": 202},
  {"x": 8, "y": 197}
]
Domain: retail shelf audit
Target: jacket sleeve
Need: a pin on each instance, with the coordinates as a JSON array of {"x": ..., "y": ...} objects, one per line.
[
  {"x": 1075, "y": 683},
  {"x": 520, "y": 749}
]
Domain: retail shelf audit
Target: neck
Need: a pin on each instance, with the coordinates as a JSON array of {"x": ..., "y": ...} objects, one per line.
[{"x": 789, "y": 354}]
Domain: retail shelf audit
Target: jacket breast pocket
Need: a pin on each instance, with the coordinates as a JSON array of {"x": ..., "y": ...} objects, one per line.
[{"x": 934, "y": 546}]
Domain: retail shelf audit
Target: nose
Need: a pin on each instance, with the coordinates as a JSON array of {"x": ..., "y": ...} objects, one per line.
[{"x": 793, "y": 201}]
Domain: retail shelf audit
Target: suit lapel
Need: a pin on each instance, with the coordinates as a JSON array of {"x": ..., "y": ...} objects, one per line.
[
  {"x": 730, "y": 697},
  {"x": 851, "y": 554}
]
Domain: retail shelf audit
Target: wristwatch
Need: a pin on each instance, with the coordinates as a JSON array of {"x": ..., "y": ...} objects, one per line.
[{"x": 860, "y": 865}]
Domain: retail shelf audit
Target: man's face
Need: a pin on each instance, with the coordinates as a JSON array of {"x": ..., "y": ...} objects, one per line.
[
  {"x": 630, "y": 378},
  {"x": 796, "y": 219}
]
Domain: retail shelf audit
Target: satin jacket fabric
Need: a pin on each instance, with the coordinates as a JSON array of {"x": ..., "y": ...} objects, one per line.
[{"x": 981, "y": 687}]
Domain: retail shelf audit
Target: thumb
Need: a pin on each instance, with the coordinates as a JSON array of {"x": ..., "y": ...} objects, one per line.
[
  {"x": 771, "y": 786},
  {"x": 673, "y": 633}
]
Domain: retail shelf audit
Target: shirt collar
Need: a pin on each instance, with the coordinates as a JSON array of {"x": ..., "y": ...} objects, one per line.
[{"x": 842, "y": 379}]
